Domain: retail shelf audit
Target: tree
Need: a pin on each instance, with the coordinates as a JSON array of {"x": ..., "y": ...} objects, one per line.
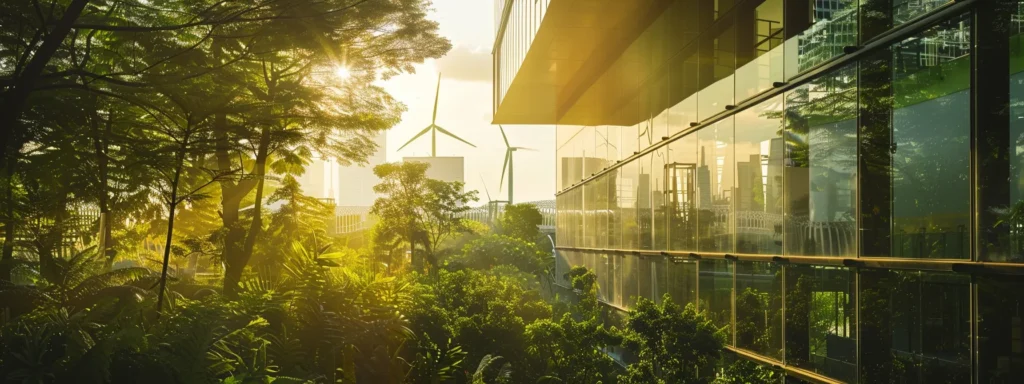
[
  {"x": 674, "y": 345},
  {"x": 520, "y": 221},
  {"x": 416, "y": 210}
]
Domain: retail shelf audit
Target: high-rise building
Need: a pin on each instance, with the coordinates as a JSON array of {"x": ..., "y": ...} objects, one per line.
[
  {"x": 356, "y": 181},
  {"x": 346, "y": 185},
  {"x": 836, "y": 183}
]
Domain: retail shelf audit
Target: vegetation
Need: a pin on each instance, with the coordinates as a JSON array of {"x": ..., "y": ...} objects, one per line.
[{"x": 154, "y": 230}]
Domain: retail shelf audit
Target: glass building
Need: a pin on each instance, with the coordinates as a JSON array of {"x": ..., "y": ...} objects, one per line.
[{"x": 837, "y": 183}]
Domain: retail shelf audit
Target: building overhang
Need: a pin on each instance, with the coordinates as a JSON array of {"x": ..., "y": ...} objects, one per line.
[{"x": 575, "y": 43}]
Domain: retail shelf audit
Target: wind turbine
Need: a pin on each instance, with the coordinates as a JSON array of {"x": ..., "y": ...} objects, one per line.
[
  {"x": 433, "y": 127},
  {"x": 509, "y": 150}
]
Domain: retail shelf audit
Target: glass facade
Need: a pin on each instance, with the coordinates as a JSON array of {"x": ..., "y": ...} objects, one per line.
[{"x": 837, "y": 183}]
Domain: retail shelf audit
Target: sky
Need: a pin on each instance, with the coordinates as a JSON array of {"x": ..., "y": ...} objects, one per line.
[{"x": 464, "y": 109}]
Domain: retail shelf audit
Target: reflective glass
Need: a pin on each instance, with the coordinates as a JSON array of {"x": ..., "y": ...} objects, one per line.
[
  {"x": 759, "y": 61},
  {"x": 659, "y": 202},
  {"x": 628, "y": 203},
  {"x": 931, "y": 126},
  {"x": 683, "y": 86},
  {"x": 630, "y": 284},
  {"x": 644, "y": 215},
  {"x": 817, "y": 31},
  {"x": 759, "y": 199},
  {"x": 614, "y": 209},
  {"x": 646, "y": 278},
  {"x": 821, "y": 321},
  {"x": 759, "y": 308},
  {"x": 680, "y": 281},
  {"x": 821, "y": 166},
  {"x": 1016, "y": 139},
  {"x": 915, "y": 327},
  {"x": 1000, "y": 330},
  {"x": 681, "y": 175},
  {"x": 715, "y": 182},
  {"x": 717, "y": 63},
  {"x": 906, "y": 10},
  {"x": 715, "y": 292}
]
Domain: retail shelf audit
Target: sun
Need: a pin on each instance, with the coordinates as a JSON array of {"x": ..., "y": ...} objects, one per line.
[{"x": 342, "y": 72}]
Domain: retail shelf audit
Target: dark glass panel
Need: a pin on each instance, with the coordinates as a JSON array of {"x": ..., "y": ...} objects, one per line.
[
  {"x": 821, "y": 321},
  {"x": 630, "y": 283},
  {"x": 1000, "y": 330},
  {"x": 759, "y": 308},
  {"x": 715, "y": 290},
  {"x": 915, "y": 327},
  {"x": 931, "y": 128}
]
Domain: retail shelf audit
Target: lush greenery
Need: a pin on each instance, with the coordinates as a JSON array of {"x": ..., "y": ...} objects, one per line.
[{"x": 154, "y": 230}]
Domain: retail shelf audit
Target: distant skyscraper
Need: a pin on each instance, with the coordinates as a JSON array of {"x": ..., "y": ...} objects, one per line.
[
  {"x": 703, "y": 184},
  {"x": 349, "y": 186},
  {"x": 355, "y": 182}
]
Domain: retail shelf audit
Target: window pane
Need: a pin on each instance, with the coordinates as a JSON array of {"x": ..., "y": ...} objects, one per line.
[
  {"x": 646, "y": 278},
  {"x": 759, "y": 47},
  {"x": 915, "y": 327},
  {"x": 821, "y": 166},
  {"x": 681, "y": 282},
  {"x": 629, "y": 182},
  {"x": 683, "y": 87},
  {"x": 817, "y": 31},
  {"x": 682, "y": 174},
  {"x": 759, "y": 178},
  {"x": 615, "y": 210},
  {"x": 906, "y": 10},
  {"x": 931, "y": 142},
  {"x": 1000, "y": 330},
  {"x": 644, "y": 215},
  {"x": 715, "y": 291},
  {"x": 717, "y": 63},
  {"x": 659, "y": 203},
  {"x": 759, "y": 308},
  {"x": 1016, "y": 138},
  {"x": 715, "y": 182},
  {"x": 821, "y": 321},
  {"x": 630, "y": 286}
]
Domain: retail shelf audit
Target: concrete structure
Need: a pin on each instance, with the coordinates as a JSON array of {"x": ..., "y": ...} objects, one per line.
[
  {"x": 835, "y": 183},
  {"x": 443, "y": 168}
]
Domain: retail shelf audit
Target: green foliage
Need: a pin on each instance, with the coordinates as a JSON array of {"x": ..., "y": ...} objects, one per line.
[
  {"x": 675, "y": 345},
  {"x": 491, "y": 251},
  {"x": 416, "y": 210},
  {"x": 520, "y": 221}
]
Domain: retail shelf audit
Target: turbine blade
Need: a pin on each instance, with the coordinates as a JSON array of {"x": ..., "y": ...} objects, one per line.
[
  {"x": 524, "y": 149},
  {"x": 508, "y": 154},
  {"x": 503, "y": 135},
  {"x": 484, "y": 183},
  {"x": 452, "y": 135},
  {"x": 423, "y": 132},
  {"x": 437, "y": 94}
]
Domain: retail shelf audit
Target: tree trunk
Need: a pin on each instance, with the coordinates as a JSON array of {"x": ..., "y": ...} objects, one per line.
[
  {"x": 100, "y": 148},
  {"x": 232, "y": 194},
  {"x": 16, "y": 97},
  {"x": 172, "y": 205},
  {"x": 236, "y": 263},
  {"x": 7, "y": 259},
  {"x": 12, "y": 138}
]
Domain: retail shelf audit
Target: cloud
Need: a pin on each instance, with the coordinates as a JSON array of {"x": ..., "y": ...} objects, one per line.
[{"x": 467, "y": 64}]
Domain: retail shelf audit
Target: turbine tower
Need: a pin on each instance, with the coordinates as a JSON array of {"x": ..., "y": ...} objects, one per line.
[
  {"x": 509, "y": 150},
  {"x": 433, "y": 127}
]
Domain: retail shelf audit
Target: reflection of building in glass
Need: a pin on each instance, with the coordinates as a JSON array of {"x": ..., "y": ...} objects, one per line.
[{"x": 847, "y": 217}]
